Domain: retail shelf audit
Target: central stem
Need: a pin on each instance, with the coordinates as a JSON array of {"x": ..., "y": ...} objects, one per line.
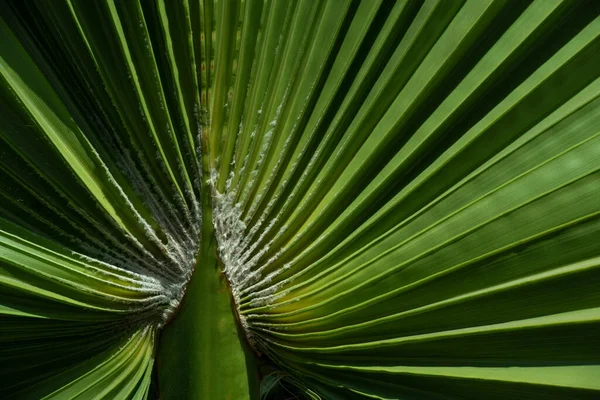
[{"x": 201, "y": 352}]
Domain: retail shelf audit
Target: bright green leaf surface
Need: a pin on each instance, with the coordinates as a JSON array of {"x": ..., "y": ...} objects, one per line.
[{"x": 377, "y": 199}]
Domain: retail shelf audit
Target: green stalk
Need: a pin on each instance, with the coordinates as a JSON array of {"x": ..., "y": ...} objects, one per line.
[{"x": 202, "y": 352}]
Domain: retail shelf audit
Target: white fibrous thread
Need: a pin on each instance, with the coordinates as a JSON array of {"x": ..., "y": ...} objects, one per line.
[
  {"x": 268, "y": 183},
  {"x": 161, "y": 275},
  {"x": 240, "y": 263},
  {"x": 267, "y": 140}
]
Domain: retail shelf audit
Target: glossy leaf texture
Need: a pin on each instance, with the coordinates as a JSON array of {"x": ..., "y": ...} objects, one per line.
[
  {"x": 404, "y": 195},
  {"x": 100, "y": 216}
]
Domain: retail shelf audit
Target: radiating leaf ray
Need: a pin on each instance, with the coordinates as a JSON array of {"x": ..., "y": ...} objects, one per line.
[
  {"x": 401, "y": 198},
  {"x": 447, "y": 205}
]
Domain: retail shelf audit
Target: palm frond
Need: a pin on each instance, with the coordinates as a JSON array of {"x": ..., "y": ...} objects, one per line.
[{"x": 401, "y": 198}]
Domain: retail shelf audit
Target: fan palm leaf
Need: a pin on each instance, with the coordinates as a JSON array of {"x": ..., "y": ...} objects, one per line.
[{"x": 329, "y": 199}]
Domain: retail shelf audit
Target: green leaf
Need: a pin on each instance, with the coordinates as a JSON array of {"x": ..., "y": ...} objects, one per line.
[{"x": 318, "y": 199}]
